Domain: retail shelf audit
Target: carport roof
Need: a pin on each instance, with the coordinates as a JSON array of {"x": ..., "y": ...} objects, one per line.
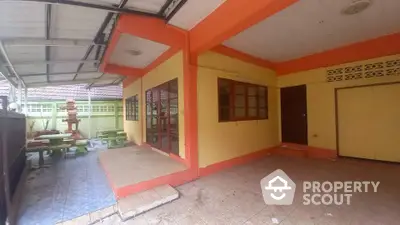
[
  {"x": 57, "y": 42},
  {"x": 77, "y": 92}
]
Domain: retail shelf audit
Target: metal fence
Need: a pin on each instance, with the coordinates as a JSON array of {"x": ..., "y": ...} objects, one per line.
[{"x": 12, "y": 155}]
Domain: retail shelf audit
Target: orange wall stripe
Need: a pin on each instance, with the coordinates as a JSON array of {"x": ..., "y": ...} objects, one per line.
[
  {"x": 152, "y": 29},
  {"x": 224, "y": 50},
  {"x": 216, "y": 167},
  {"x": 232, "y": 17},
  {"x": 123, "y": 70},
  {"x": 378, "y": 47}
]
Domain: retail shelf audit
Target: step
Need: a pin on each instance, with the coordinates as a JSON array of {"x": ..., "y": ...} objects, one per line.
[{"x": 141, "y": 202}]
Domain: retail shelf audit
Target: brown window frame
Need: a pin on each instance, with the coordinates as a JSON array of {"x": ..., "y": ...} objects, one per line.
[
  {"x": 261, "y": 92},
  {"x": 132, "y": 108}
]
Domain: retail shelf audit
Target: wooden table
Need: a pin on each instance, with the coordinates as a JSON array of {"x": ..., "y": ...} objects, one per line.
[{"x": 55, "y": 144}]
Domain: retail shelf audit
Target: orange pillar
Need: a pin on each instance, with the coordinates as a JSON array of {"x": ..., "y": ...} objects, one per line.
[{"x": 190, "y": 107}]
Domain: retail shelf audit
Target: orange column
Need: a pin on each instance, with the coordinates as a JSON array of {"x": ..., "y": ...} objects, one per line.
[{"x": 190, "y": 107}]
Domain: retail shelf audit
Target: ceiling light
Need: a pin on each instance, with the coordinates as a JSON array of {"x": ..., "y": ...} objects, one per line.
[
  {"x": 134, "y": 52},
  {"x": 356, "y": 7}
]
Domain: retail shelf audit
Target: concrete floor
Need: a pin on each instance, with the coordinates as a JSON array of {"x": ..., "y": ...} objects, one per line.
[
  {"x": 67, "y": 189},
  {"x": 132, "y": 165},
  {"x": 234, "y": 196}
]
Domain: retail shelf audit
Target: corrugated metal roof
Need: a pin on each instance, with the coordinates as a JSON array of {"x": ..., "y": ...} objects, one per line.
[{"x": 77, "y": 92}]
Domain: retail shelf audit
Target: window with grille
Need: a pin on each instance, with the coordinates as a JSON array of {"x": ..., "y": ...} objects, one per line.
[
  {"x": 241, "y": 101},
  {"x": 132, "y": 108}
]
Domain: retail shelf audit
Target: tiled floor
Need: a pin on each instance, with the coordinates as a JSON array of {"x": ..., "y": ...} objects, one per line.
[
  {"x": 132, "y": 165},
  {"x": 68, "y": 189},
  {"x": 234, "y": 196}
]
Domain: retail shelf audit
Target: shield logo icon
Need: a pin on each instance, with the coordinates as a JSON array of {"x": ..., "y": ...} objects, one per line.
[{"x": 278, "y": 188}]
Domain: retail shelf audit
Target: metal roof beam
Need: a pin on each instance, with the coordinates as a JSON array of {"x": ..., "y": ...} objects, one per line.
[
  {"x": 48, "y": 29},
  {"x": 109, "y": 8},
  {"x": 51, "y": 62},
  {"x": 57, "y": 74},
  {"x": 99, "y": 34},
  {"x": 8, "y": 79},
  {"x": 10, "y": 66},
  {"x": 58, "y": 83},
  {"x": 60, "y": 42}
]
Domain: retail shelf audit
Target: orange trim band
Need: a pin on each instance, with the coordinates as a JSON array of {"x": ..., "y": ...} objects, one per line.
[
  {"x": 378, "y": 47},
  {"x": 224, "y": 50},
  {"x": 151, "y": 29},
  {"x": 307, "y": 151},
  {"x": 219, "y": 26},
  {"x": 214, "y": 168},
  {"x": 124, "y": 70}
]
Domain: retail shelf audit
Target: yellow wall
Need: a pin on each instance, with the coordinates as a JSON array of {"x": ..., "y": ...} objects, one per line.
[
  {"x": 170, "y": 69},
  {"x": 321, "y": 99},
  {"x": 227, "y": 140},
  {"x": 132, "y": 128}
]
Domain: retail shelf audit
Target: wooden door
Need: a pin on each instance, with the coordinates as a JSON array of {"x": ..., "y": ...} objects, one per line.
[{"x": 294, "y": 114}]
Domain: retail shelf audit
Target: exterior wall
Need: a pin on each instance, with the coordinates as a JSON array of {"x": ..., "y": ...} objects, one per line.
[
  {"x": 102, "y": 120},
  {"x": 132, "y": 128},
  {"x": 169, "y": 70},
  {"x": 221, "y": 141},
  {"x": 321, "y": 99}
]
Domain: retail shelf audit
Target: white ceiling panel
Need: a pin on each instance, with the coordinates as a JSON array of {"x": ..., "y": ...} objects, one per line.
[
  {"x": 87, "y": 76},
  {"x": 64, "y": 77},
  {"x": 88, "y": 67},
  {"x": 76, "y": 22},
  {"x": 67, "y": 53},
  {"x": 25, "y": 53},
  {"x": 30, "y": 69},
  {"x": 34, "y": 79},
  {"x": 22, "y": 20},
  {"x": 63, "y": 67},
  {"x": 115, "y": 76},
  {"x": 153, "y": 6},
  {"x": 193, "y": 12},
  {"x": 313, "y": 26},
  {"x": 128, "y": 46}
]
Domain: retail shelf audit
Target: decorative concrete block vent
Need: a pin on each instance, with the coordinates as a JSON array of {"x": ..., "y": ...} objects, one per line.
[{"x": 141, "y": 202}]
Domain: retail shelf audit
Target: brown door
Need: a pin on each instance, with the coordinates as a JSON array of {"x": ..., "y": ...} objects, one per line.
[{"x": 294, "y": 114}]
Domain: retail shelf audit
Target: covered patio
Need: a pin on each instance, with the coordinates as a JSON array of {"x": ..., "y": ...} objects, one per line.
[{"x": 218, "y": 96}]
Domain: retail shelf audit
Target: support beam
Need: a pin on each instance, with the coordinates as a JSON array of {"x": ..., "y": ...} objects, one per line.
[
  {"x": 57, "y": 42},
  {"x": 108, "y": 8},
  {"x": 51, "y": 62},
  {"x": 378, "y": 47},
  {"x": 57, "y": 74},
  {"x": 8, "y": 79},
  {"x": 59, "y": 83},
  {"x": 19, "y": 97},
  {"x": 26, "y": 101},
  {"x": 124, "y": 70},
  {"x": 47, "y": 36},
  {"x": 90, "y": 113},
  {"x": 3, "y": 51},
  {"x": 229, "y": 19}
]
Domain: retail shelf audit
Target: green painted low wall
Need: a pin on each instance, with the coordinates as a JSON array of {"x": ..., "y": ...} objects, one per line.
[{"x": 105, "y": 115}]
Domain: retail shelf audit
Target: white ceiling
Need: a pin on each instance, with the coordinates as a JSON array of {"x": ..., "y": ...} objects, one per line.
[
  {"x": 193, "y": 12},
  {"x": 313, "y": 26},
  {"x": 150, "y": 51}
]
